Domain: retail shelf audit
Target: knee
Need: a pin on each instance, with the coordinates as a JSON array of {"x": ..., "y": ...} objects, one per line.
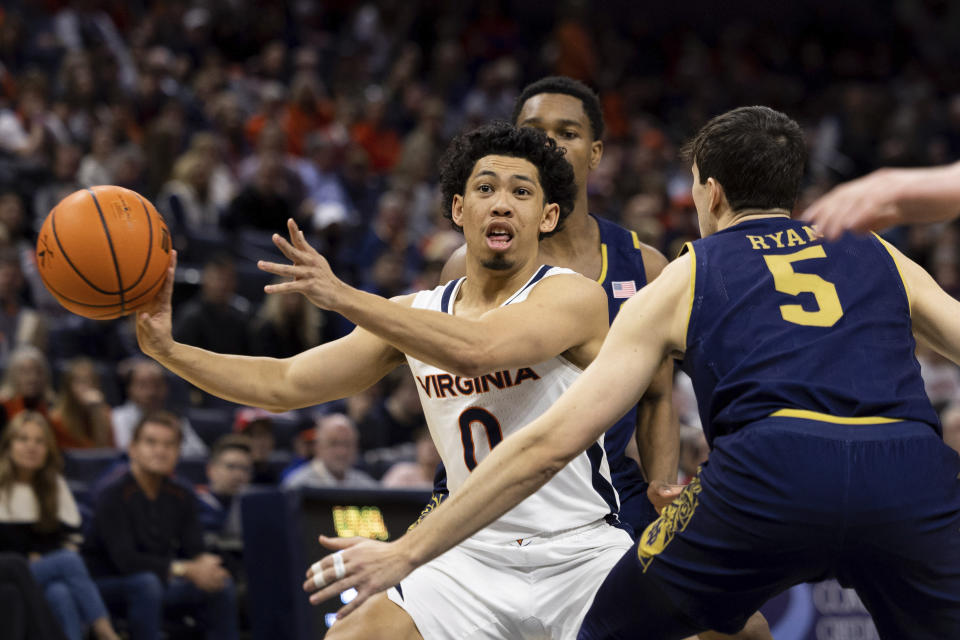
[
  {"x": 57, "y": 592},
  {"x": 70, "y": 562},
  {"x": 146, "y": 587}
]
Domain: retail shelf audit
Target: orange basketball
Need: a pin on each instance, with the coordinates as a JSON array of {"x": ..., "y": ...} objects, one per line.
[{"x": 103, "y": 252}]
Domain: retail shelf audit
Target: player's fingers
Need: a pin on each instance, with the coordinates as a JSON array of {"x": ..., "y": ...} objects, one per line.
[
  {"x": 287, "y": 249},
  {"x": 332, "y": 590},
  {"x": 288, "y": 270},
  {"x": 166, "y": 294},
  {"x": 347, "y": 609},
  {"x": 293, "y": 286},
  {"x": 297, "y": 238},
  {"x": 341, "y": 543}
]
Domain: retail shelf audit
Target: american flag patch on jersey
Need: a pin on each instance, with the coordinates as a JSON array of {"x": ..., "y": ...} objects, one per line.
[{"x": 624, "y": 289}]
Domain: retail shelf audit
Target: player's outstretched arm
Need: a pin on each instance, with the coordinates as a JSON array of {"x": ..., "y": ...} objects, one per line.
[
  {"x": 327, "y": 372},
  {"x": 650, "y": 326},
  {"x": 657, "y": 431},
  {"x": 934, "y": 312},
  {"x": 563, "y": 313},
  {"x": 888, "y": 197}
]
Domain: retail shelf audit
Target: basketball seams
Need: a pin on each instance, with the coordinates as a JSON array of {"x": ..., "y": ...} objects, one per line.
[
  {"x": 87, "y": 250},
  {"x": 146, "y": 263},
  {"x": 63, "y": 252},
  {"x": 113, "y": 253},
  {"x": 62, "y": 297}
]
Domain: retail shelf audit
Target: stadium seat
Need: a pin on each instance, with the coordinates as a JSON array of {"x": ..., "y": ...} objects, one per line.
[{"x": 210, "y": 422}]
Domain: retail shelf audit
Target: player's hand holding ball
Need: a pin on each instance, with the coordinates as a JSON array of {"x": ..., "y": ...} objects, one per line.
[
  {"x": 310, "y": 272},
  {"x": 155, "y": 323}
]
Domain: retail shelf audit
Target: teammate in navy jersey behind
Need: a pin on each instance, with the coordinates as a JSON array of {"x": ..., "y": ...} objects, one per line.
[{"x": 826, "y": 455}]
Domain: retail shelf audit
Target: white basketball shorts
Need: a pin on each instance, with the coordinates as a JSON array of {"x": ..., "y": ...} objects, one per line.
[{"x": 535, "y": 589}]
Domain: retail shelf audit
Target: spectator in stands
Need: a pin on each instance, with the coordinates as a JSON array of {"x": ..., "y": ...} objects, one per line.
[
  {"x": 419, "y": 473},
  {"x": 286, "y": 325},
  {"x": 145, "y": 547},
  {"x": 266, "y": 202},
  {"x": 394, "y": 419},
  {"x": 95, "y": 166},
  {"x": 81, "y": 414},
  {"x": 326, "y": 199},
  {"x": 26, "y": 384},
  {"x": 302, "y": 446},
  {"x": 185, "y": 200},
  {"x": 23, "y": 608},
  {"x": 19, "y": 324},
  {"x": 257, "y": 425},
  {"x": 229, "y": 471},
  {"x": 334, "y": 454},
  {"x": 146, "y": 393},
  {"x": 216, "y": 318},
  {"x": 39, "y": 520},
  {"x": 64, "y": 181},
  {"x": 18, "y": 237}
]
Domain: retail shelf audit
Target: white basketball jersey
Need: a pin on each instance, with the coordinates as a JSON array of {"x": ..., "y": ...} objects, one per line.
[{"x": 468, "y": 416}]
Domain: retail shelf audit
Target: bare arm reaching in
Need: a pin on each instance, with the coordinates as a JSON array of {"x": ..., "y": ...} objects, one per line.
[{"x": 888, "y": 197}]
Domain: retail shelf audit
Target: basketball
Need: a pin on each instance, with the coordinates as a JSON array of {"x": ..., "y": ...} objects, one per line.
[{"x": 103, "y": 252}]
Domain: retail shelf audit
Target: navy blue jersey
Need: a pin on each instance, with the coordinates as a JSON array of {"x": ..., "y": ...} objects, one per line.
[
  {"x": 783, "y": 323},
  {"x": 622, "y": 274}
]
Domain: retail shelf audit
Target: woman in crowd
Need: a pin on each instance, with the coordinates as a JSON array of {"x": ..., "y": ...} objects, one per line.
[
  {"x": 26, "y": 384},
  {"x": 81, "y": 415},
  {"x": 39, "y": 519}
]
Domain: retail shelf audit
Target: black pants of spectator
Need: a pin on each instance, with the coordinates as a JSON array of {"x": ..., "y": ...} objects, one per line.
[{"x": 23, "y": 609}]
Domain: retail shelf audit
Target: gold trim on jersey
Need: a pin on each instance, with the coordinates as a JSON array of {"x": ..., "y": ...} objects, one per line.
[
  {"x": 674, "y": 519},
  {"x": 636, "y": 239},
  {"x": 826, "y": 417},
  {"x": 603, "y": 263},
  {"x": 886, "y": 245},
  {"x": 693, "y": 287}
]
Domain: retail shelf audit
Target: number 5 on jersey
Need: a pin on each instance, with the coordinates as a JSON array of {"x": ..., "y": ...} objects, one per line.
[
  {"x": 477, "y": 415},
  {"x": 788, "y": 281}
]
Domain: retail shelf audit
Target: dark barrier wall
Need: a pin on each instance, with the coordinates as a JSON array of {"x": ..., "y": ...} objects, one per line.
[{"x": 280, "y": 542}]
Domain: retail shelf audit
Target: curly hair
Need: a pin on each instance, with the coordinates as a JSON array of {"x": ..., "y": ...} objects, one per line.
[
  {"x": 567, "y": 86},
  {"x": 504, "y": 139}
]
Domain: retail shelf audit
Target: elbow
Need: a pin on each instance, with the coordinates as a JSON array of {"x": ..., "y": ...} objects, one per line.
[{"x": 471, "y": 362}]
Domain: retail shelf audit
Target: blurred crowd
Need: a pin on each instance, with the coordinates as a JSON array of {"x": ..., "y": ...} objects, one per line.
[{"x": 234, "y": 116}]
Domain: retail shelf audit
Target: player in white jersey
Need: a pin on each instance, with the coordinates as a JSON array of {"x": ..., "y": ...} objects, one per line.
[{"x": 490, "y": 352}]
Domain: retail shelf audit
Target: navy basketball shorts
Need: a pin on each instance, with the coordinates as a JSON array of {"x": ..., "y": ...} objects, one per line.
[{"x": 787, "y": 500}]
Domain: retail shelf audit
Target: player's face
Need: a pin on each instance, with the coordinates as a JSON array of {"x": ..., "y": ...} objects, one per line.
[
  {"x": 563, "y": 119},
  {"x": 503, "y": 211}
]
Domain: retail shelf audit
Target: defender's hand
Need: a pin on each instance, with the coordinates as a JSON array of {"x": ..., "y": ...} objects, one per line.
[
  {"x": 360, "y": 563},
  {"x": 661, "y": 494},
  {"x": 155, "y": 325},
  {"x": 866, "y": 204},
  {"x": 310, "y": 271}
]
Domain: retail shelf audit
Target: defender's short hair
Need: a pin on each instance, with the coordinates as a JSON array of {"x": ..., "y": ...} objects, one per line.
[{"x": 755, "y": 153}]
